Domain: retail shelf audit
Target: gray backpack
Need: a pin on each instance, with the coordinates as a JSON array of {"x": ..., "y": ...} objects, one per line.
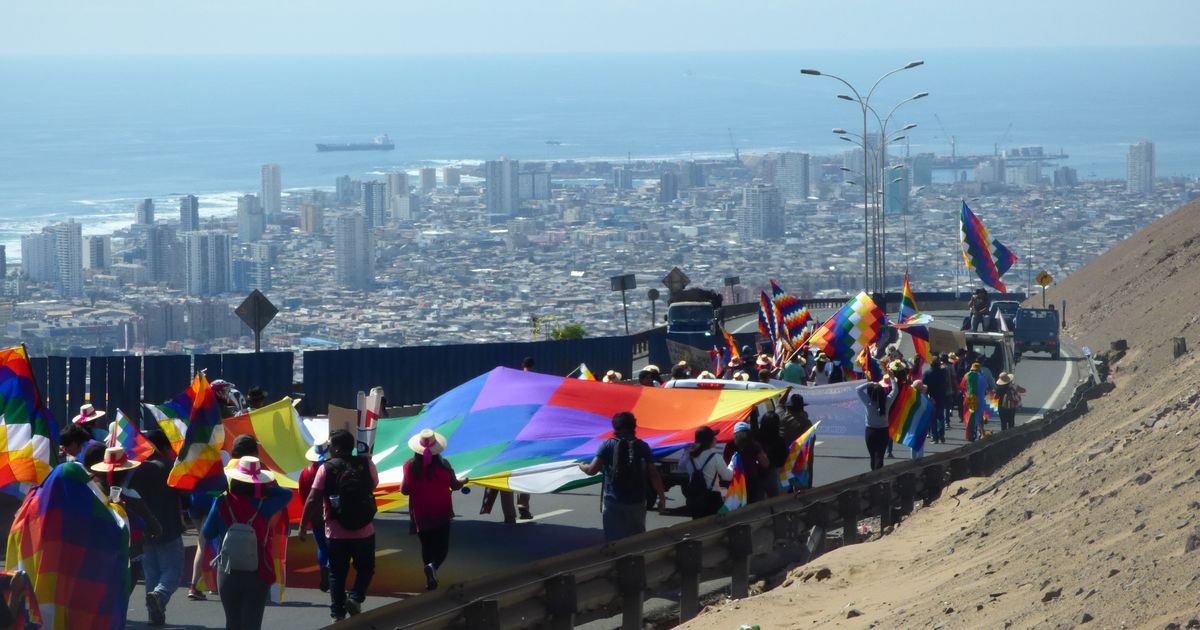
[{"x": 239, "y": 547}]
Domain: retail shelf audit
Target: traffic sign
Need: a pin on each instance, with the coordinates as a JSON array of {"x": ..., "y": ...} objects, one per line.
[
  {"x": 676, "y": 280},
  {"x": 256, "y": 311},
  {"x": 1044, "y": 278}
]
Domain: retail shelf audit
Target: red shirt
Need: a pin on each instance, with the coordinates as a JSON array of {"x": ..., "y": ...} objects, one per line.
[{"x": 429, "y": 505}]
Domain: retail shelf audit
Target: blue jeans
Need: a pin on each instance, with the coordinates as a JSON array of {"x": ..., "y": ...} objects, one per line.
[
  {"x": 162, "y": 563},
  {"x": 322, "y": 546},
  {"x": 941, "y": 418},
  {"x": 622, "y": 520}
]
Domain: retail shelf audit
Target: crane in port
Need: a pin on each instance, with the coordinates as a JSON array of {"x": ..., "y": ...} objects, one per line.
[
  {"x": 737, "y": 157},
  {"x": 953, "y": 140},
  {"x": 996, "y": 147}
]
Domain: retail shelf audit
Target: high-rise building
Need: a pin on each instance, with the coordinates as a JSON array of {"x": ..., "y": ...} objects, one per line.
[
  {"x": 1065, "y": 177},
  {"x": 451, "y": 177},
  {"x": 405, "y": 207},
  {"x": 97, "y": 252},
  {"x": 535, "y": 185},
  {"x": 428, "y": 180},
  {"x": 761, "y": 215},
  {"x": 354, "y": 252},
  {"x": 208, "y": 263},
  {"x": 68, "y": 257},
  {"x": 160, "y": 245},
  {"x": 897, "y": 192},
  {"x": 622, "y": 178},
  {"x": 1139, "y": 168},
  {"x": 668, "y": 188},
  {"x": 921, "y": 167},
  {"x": 312, "y": 219},
  {"x": 691, "y": 174},
  {"x": 3, "y": 262},
  {"x": 272, "y": 192},
  {"x": 251, "y": 220},
  {"x": 344, "y": 190},
  {"x": 397, "y": 184},
  {"x": 144, "y": 213},
  {"x": 374, "y": 203},
  {"x": 189, "y": 213},
  {"x": 253, "y": 271},
  {"x": 502, "y": 197},
  {"x": 37, "y": 257},
  {"x": 791, "y": 176}
]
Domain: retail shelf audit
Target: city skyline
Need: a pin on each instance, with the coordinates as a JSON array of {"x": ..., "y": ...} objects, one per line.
[{"x": 60, "y": 27}]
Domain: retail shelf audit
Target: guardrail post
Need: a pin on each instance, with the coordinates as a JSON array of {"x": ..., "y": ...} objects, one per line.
[
  {"x": 933, "y": 483},
  {"x": 816, "y": 536},
  {"x": 689, "y": 563},
  {"x": 959, "y": 469},
  {"x": 848, "y": 511},
  {"x": 631, "y": 582},
  {"x": 906, "y": 487},
  {"x": 784, "y": 526},
  {"x": 741, "y": 547},
  {"x": 484, "y": 614},
  {"x": 977, "y": 464},
  {"x": 880, "y": 495},
  {"x": 561, "y": 601}
]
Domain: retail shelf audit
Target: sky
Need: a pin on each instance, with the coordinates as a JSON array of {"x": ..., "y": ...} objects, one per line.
[{"x": 403, "y": 27}]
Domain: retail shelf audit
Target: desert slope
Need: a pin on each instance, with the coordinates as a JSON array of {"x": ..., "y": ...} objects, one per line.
[{"x": 1103, "y": 530}]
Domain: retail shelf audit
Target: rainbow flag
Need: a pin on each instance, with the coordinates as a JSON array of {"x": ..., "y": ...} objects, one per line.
[
  {"x": 171, "y": 416},
  {"x": 736, "y": 495},
  {"x": 123, "y": 433},
  {"x": 975, "y": 390},
  {"x": 793, "y": 312},
  {"x": 909, "y": 418},
  {"x": 74, "y": 545},
  {"x": 855, "y": 326},
  {"x": 766, "y": 317},
  {"x": 796, "y": 471},
  {"x": 198, "y": 465},
  {"x": 987, "y": 256},
  {"x": 914, "y": 322},
  {"x": 28, "y": 433},
  {"x": 583, "y": 373}
]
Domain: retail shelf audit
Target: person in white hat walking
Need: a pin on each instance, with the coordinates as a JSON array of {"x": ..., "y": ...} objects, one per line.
[
  {"x": 89, "y": 418},
  {"x": 429, "y": 482}
]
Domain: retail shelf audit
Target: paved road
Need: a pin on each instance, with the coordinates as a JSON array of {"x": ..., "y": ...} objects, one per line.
[{"x": 565, "y": 521}]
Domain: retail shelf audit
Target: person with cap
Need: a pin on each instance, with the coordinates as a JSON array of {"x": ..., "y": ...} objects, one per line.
[
  {"x": 1008, "y": 394},
  {"x": 681, "y": 371},
  {"x": 316, "y": 455},
  {"x": 627, "y": 463},
  {"x": 794, "y": 421},
  {"x": 253, "y": 503},
  {"x": 89, "y": 418},
  {"x": 162, "y": 557},
  {"x": 819, "y": 374},
  {"x": 703, "y": 493},
  {"x": 429, "y": 482},
  {"x": 648, "y": 376},
  {"x": 753, "y": 458},
  {"x": 793, "y": 372},
  {"x": 876, "y": 401},
  {"x": 343, "y": 491}
]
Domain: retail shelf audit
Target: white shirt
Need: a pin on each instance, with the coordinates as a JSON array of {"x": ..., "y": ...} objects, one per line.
[{"x": 713, "y": 468}]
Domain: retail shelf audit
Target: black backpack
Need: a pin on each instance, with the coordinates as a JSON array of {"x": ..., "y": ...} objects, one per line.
[
  {"x": 697, "y": 491},
  {"x": 350, "y": 490},
  {"x": 628, "y": 468}
]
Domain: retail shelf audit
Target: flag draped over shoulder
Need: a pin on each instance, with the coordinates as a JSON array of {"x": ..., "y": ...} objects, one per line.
[
  {"x": 987, "y": 256},
  {"x": 524, "y": 431},
  {"x": 736, "y": 495},
  {"x": 198, "y": 465},
  {"x": 975, "y": 390},
  {"x": 796, "y": 471},
  {"x": 28, "y": 433},
  {"x": 855, "y": 326},
  {"x": 909, "y": 417},
  {"x": 123, "y": 433},
  {"x": 75, "y": 547}
]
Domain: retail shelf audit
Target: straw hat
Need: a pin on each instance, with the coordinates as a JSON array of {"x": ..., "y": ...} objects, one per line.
[
  {"x": 249, "y": 469},
  {"x": 88, "y": 413},
  {"x": 705, "y": 375},
  {"x": 652, "y": 368},
  {"x": 317, "y": 452},
  {"x": 1004, "y": 379},
  {"x": 612, "y": 376},
  {"x": 115, "y": 460},
  {"x": 427, "y": 439},
  {"x": 741, "y": 376},
  {"x": 953, "y": 357}
]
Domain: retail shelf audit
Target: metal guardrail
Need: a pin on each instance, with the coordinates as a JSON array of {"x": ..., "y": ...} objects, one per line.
[{"x": 603, "y": 581}]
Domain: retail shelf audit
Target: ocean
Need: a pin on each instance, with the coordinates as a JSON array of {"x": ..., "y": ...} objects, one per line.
[{"x": 87, "y": 137}]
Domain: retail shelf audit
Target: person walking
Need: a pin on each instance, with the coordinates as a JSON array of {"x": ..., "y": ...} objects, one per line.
[
  {"x": 244, "y": 522},
  {"x": 162, "y": 557},
  {"x": 974, "y": 386},
  {"x": 430, "y": 482},
  {"x": 1009, "y": 395},
  {"x": 343, "y": 491},
  {"x": 936, "y": 380},
  {"x": 755, "y": 462},
  {"x": 876, "y": 402},
  {"x": 316, "y": 455},
  {"x": 627, "y": 464},
  {"x": 770, "y": 437},
  {"x": 705, "y": 469}
]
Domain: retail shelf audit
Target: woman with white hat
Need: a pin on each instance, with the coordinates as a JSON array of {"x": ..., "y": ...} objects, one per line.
[
  {"x": 245, "y": 566},
  {"x": 1008, "y": 393},
  {"x": 429, "y": 482}
]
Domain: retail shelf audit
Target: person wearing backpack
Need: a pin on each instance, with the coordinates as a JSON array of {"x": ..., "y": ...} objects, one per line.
[
  {"x": 344, "y": 491},
  {"x": 243, "y": 522},
  {"x": 705, "y": 468},
  {"x": 1008, "y": 393},
  {"x": 430, "y": 482},
  {"x": 628, "y": 464}
]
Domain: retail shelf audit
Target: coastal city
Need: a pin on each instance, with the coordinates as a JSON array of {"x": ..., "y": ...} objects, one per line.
[{"x": 510, "y": 250}]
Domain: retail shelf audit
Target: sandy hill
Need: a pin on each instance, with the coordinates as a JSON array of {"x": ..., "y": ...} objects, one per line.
[{"x": 1103, "y": 530}]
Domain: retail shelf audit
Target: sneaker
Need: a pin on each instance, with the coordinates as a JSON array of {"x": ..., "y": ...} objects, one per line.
[
  {"x": 158, "y": 612},
  {"x": 352, "y": 606},
  {"x": 431, "y": 582},
  {"x": 526, "y": 515},
  {"x": 324, "y": 583},
  {"x": 196, "y": 595}
]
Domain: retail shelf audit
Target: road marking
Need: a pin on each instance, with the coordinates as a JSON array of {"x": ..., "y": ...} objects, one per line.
[
  {"x": 1063, "y": 383},
  {"x": 747, "y": 324},
  {"x": 545, "y": 515}
]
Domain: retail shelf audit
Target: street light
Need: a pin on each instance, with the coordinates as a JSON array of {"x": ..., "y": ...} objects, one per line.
[{"x": 864, "y": 104}]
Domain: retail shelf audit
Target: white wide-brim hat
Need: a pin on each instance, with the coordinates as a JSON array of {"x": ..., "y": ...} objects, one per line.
[
  {"x": 317, "y": 452},
  {"x": 87, "y": 413},
  {"x": 249, "y": 469},
  {"x": 427, "y": 439}
]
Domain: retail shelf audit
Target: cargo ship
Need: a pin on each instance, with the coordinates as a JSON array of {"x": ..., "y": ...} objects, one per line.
[{"x": 381, "y": 143}]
